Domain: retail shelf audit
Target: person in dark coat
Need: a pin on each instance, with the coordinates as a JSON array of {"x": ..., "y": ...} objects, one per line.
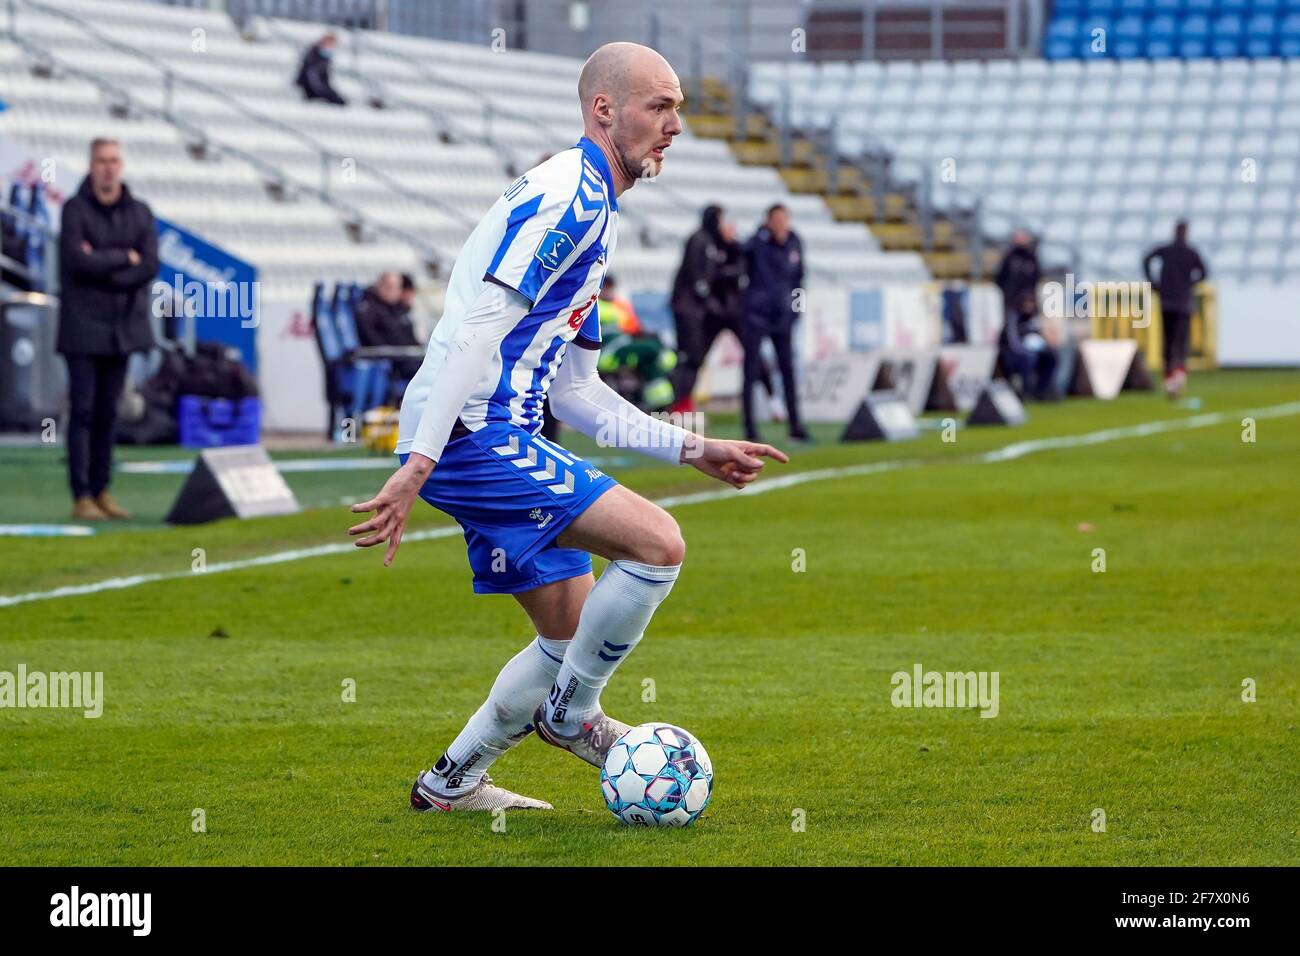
[
  {"x": 383, "y": 318},
  {"x": 1019, "y": 272},
  {"x": 1181, "y": 267},
  {"x": 1025, "y": 350},
  {"x": 775, "y": 266},
  {"x": 108, "y": 258},
  {"x": 314, "y": 72},
  {"x": 696, "y": 315}
]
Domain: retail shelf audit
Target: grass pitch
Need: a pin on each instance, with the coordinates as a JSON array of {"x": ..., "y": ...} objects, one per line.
[{"x": 1120, "y": 690}]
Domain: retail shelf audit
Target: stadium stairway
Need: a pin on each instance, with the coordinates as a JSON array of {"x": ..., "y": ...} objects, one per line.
[{"x": 854, "y": 192}]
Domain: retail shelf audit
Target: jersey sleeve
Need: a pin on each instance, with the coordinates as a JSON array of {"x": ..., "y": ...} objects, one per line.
[{"x": 546, "y": 234}]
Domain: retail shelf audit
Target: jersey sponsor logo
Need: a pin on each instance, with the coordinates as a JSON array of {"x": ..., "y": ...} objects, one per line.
[
  {"x": 578, "y": 314},
  {"x": 554, "y": 248}
]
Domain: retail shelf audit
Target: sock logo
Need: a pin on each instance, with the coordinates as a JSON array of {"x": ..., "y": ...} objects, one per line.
[
  {"x": 562, "y": 705},
  {"x": 456, "y": 779}
]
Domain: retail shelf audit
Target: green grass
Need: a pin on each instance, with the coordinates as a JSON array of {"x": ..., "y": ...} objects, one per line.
[{"x": 1119, "y": 691}]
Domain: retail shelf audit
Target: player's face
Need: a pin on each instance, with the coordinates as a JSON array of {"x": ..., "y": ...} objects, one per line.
[{"x": 646, "y": 124}]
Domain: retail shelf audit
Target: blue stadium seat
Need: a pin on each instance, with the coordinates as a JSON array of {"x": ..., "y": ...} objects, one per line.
[
  {"x": 1162, "y": 34},
  {"x": 1288, "y": 36},
  {"x": 1128, "y": 41},
  {"x": 1261, "y": 35},
  {"x": 1194, "y": 37},
  {"x": 1162, "y": 29},
  {"x": 1060, "y": 42},
  {"x": 1226, "y": 36}
]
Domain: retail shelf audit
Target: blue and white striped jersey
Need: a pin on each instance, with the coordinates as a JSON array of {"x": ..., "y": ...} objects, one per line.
[{"x": 549, "y": 237}]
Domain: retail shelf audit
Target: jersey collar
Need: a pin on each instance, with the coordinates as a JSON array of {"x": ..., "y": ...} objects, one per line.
[{"x": 597, "y": 157}]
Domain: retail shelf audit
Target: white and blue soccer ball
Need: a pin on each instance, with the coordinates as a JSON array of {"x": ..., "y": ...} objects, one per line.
[{"x": 657, "y": 775}]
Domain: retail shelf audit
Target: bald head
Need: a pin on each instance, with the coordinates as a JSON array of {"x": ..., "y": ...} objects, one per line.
[
  {"x": 617, "y": 69},
  {"x": 630, "y": 97}
]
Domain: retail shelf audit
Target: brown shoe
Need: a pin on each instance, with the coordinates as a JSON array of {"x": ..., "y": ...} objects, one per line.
[
  {"x": 85, "y": 509},
  {"x": 110, "y": 507}
]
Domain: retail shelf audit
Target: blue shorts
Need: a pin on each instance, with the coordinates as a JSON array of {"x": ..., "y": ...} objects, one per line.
[{"x": 513, "y": 493}]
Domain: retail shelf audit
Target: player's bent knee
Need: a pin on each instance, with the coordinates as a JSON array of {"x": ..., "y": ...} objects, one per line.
[{"x": 663, "y": 545}]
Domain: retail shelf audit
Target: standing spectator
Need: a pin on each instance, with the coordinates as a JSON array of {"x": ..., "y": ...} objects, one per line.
[
  {"x": 1019, "y": 272},
  {"x": 314, "y": 72},
  {"x": 774, "y": 264},
  {"x": 108, "y": 256},
  {"x": 695, "y": 315},
  {"x": 1181, "y": 268}
]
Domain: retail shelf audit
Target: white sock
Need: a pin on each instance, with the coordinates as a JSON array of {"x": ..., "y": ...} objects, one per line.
[
  {"x": 504, "y": 719},
  {"x": 613, "y": 619}
]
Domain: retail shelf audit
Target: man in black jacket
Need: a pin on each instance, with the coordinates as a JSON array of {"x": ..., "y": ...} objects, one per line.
[
  {"x": 314, "y": 72},
  {"x": 696, "y": 314},
  {"x": 1180, "y": 269},
  {"x": 774, "y": 264},
  {"x": 1018, "y": 274},
  {"x": 108, "y": 257},
  {"x": 383, "y": 318}
]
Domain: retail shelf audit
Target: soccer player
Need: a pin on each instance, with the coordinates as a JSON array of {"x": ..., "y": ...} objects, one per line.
[{"x": 520, "y": 324}]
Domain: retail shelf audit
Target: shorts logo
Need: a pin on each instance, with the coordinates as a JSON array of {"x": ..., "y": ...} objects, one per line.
[
  {"x": 559, "y": 477},
  {"x": 554, "y": 248},
  {"x": 542, "y": 522}
]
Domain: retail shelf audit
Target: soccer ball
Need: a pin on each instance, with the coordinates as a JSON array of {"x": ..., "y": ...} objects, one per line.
[{"x": 657, "y": 775}]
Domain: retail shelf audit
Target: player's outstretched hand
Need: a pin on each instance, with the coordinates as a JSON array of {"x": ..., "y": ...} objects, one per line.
[
  {"x": 392, "y": 506},
  {"x": 735, "y": 462}
]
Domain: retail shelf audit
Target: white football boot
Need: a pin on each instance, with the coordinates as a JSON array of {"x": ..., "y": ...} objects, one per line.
[
  {"x": 591, "y": 744},
  {"x": 485, "y": 795}
]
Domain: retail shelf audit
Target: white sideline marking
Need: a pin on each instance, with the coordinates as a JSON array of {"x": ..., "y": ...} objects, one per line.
[
  {"x": 278, "y": 557},
  {"x": 1005, "y": 453}
]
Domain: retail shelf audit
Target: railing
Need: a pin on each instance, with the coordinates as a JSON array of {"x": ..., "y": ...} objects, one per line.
[
  {"x": 329, "y": 159},
  {"x": 272, "y": 175}
]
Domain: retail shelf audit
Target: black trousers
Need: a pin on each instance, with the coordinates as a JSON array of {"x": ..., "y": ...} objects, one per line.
[
  {"x": 695, "y": 337},
  {"x": 751, "y": 337},
  {"x": 1177, "y": 332},
  {"x": 94, "y": 386}
]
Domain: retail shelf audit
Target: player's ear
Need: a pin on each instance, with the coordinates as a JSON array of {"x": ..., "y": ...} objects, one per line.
[{"x": 603, "y": 109}]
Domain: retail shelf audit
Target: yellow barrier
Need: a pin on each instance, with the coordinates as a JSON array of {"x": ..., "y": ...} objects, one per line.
[{"x": 1125, "y": 322}]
